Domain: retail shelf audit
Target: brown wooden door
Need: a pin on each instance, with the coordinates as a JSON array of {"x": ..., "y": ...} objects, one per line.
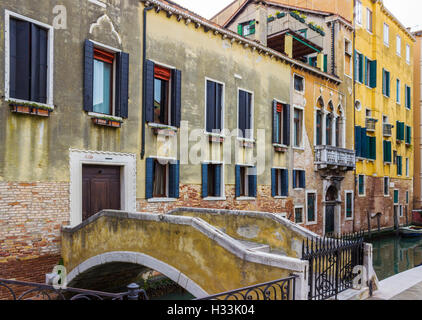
[{"x": 100, "y": 189}]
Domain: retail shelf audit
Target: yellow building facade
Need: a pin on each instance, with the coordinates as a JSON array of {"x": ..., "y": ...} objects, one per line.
[{"x": 383, "y": 74}]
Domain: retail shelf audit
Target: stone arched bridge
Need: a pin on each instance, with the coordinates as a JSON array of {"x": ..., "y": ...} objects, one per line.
[{"x": 204, "y": 251}]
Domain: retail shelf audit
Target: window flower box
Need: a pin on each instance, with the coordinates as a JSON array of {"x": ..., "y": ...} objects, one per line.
[
  {"x": 107, "y": 122},
  {"x": 217, "y": 139},
  {"x": 280, "y": 148},
  {"x": 280, "y": 15},
  {"x": 297, "y": 16},
  {"x": 167, "y": 132},
  {"x": 270, "y": 19},
  {"x": 247, "y": 144},
  {"x": 31, "y": 109}
]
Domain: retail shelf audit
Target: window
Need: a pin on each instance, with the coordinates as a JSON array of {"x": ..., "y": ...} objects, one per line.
[
  {"x": 212, "y": 178},
  {"x": 370, "y": 78},
  {"x": 162, "y": 78},
  {"x": 319, "y": 128},
  {"x": 246, "y": 182},
  {"x": 407, "y": 197},
  {"x": 365, "y": 145},
  {"x": 246, "y": 28},
  {"x": 298, "y": 215},
  {"x": 311, "y": 206},
  {"x": 299, "y": 181},
  {"x": 279, "y": 182},
  {"x": 361, "y": 183},
  {"x": 407, "y": 54},
  {"x": 385, "y": 83},
  {"x": 329, "y": 129},
  {"x": 400, "y": 131},
  {"x": 408, "y": 97},
  {"x": 401, "y": 211},
  {"x": 358, "y": 12},
  {"x": 299, "y": 83},
  {"x": 348, "y": 57},
  {"x": 281, "y": 123},
  {"x": 398, "y": 46},
  {"x": 245, "y": 114},
  {"x": 106, "y": 80},
  {"x": 298, "y": 127},
  {"x": 387, "y": 151},
  {"x": 398, "y": 91},
  {"x": 359, "y": 67},
  {"x": 103, "y": 81},
  {"x": 162, "y": 178},
  {"x": 408, "y": 139},
  {"x": 386, "y": 186},
  {"x": 407, "y": 167},
  {"x": 386, "y": 34},
  {"x": 29, "y": 71},
  {"x": 163, "y": 92},
  {"x": 214, "y": 107},
  {"x": 369, "y": 20},
  {"x": 399, "y": 165},
  {"x": 349, "y": 204},
  {"x": 396, "y": 196}
]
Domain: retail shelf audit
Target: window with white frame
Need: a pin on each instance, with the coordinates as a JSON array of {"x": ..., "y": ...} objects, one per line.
[
  {"x": 348, "y": 63},
  {"x": 29, "y": 52},
  {"x": 245, "y": 114},
  {"x": 407, "y": 53},
  {"x": 358, "y": 12},
  {"x": 214, "y": 106},
  {"x": 398, "y": 45},
  {"x": 299, "y": 83},
  {"x": 298, "y": 128},
  {"x": 369, "y": 20},
  {"x": 386, "y": 186},
  {"x": 386, "y": 34},
  {"x": 407, "y": 167}
]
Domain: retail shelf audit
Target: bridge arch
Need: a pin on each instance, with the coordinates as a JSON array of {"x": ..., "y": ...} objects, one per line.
[{"x": 140, "y": 259}]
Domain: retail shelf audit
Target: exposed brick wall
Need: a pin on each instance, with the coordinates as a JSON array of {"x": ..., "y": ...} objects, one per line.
[
  {"x": 31, "y": 215},
  {"x": 375, "y": 202},
  {"x": 31, "y": 270}
]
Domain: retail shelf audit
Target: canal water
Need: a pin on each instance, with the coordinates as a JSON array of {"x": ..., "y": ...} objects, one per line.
[{"x": 394, "y": 254}]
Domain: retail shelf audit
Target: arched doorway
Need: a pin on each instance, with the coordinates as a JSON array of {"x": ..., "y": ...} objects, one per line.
[{"x": 330, "y": 209}]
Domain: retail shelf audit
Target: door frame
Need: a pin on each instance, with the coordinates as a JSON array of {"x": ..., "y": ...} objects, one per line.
[{"x": 127, "y": 178}]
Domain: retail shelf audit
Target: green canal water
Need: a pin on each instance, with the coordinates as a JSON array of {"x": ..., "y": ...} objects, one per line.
[{"x": 393, "y": 255}]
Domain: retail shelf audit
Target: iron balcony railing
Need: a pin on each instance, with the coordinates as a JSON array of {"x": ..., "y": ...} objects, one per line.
[
  {"x": 387, "y": 129},
  {"x": 282, "y": 289},
  {"x": 370, "y": 124},
  {"x": 326, "y": 156}
]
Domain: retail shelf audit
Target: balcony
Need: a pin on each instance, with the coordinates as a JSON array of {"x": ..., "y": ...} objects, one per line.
[
  {"x": 329, "y": 157},
  {"x": 387, "y": 129},
  {"x": 370, "y": 124},
  {"x": 307, "y": 39}
]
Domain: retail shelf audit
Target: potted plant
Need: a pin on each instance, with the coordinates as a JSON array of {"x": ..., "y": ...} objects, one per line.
[
  {"x": 280, "y": 15},
  {"x": 270, "y": 18},
  {"x": 320, "y": 30}
]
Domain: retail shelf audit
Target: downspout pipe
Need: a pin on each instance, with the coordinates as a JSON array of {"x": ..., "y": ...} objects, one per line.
[
  {"x": 144, "y": 53},
  {"x": 354, "y": 109}
]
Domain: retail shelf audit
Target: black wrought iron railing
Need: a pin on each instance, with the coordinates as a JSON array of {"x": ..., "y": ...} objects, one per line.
[
  {"x": 282, "y": 289},
  {"x": 331, "y": 264},
  {"x": 21, "y": 290}
]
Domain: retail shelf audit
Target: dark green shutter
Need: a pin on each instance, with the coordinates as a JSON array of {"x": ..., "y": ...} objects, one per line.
[
  {"x": 122, "y": 85},
  {"x": 217, "y": 186},
  {"x": 237, "y": 181},
  {"x": 240, "y": 29},
  {"x": 284, "y": 182},
  {"x": 364, "y": 143},
  {"x": 373, "y": 74},
  {"x": 366, "y": 71},
  {"x": 325, "y": 63},
  {"x": 273, "y": 182},
  {"x": 204, "y": 180},
  {"x": 358, "y": 142},
  {"x": 387, "y": 151},
  {"x": 361, "y": 60}
]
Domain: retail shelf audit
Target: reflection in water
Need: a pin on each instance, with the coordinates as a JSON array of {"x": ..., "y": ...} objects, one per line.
[{"x": 393, "y": 255}]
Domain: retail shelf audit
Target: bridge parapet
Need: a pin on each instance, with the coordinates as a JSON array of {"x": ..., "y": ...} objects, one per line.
[{"x": 190, "y": 251}]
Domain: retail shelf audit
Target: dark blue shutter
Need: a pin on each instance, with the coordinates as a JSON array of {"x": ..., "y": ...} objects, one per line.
[
  {"x": 276, "y": 124},
  {"x": 122, "y": 85},
  {"x": 248, "y": 111},
  {"x": 38, "y": 64},
  {"x": 294, "y": 179},
  {"x": 174, "y": 169},
  {"x": 176, "y": 106},
  {"x": 21, "y": 60},
  {"x": 284, "y": 182},
  {"x": 302, "y": 179},
  {"x": 13, "y": 57},
  {"x": 217, "y": 186},
  {"x": 366, "y": 70},
  {"x": 149, "y": 91},
  {"x": 286, "y": 125},
  {"x": 211, "y": 105},
  {"x": 89, "y": 76},
  {"x": 149, "y": 178},
  {"x": 273, "y": 182},
  {"x": 204, "y": 180},
  {"x": 237, "y": 181},
  {"x": 242, "y": 112},
  {"x": 252, "y": 181},
  {"x": 218, "y": 106}
]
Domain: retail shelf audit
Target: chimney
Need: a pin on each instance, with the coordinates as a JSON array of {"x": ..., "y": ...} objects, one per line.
[{"x": 261, "y": 26}]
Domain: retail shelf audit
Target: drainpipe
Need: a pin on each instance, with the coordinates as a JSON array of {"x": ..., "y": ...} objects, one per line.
[
  {"x": 333, "y": 49},
  {"x": 354, "y": 109},
  {"x": 144, "y": 53}
]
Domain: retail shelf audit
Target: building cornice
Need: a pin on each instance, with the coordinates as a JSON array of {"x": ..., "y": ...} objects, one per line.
[{"x": 234, "y": 37}]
